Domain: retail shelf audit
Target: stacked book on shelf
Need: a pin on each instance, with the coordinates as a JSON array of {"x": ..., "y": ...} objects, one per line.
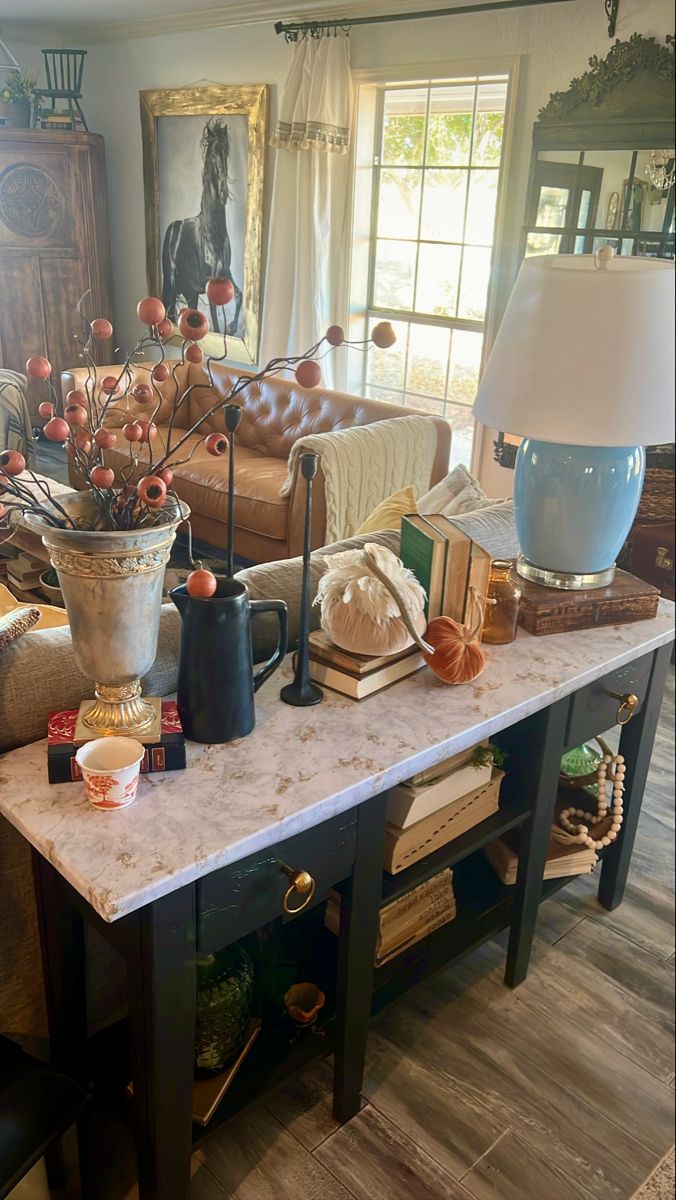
[
  {"x": 24, "y": 572},
  {"x": 164, "y": 750},
  {"x": 50, "y": 119},
  {"x": 434, "y": 807},
  {"x": 562, "y": 861},
  {"x": 357, "y": 675},
  {"x": 447, "y": 563},
  {"x": 409, "y": 918}
]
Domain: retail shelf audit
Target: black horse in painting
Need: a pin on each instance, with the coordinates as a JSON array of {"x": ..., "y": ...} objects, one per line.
[{"x": 197, "y": 248}]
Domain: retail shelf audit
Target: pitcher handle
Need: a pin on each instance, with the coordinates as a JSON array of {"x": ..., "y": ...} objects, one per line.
[{"x": 279, "y": 607}]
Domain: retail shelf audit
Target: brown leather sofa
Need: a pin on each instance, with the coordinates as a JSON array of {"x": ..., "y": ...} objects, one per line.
[{"x": 275, "y": 414}]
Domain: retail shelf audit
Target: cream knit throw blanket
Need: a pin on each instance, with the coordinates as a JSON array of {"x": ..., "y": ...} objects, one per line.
[{"x": 364, "y": 465}]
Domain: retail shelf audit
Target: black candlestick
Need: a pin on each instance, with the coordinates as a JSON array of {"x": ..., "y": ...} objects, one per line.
[
  {"x": 303, "y": 692},
  {"x": 232, "y": 413}
]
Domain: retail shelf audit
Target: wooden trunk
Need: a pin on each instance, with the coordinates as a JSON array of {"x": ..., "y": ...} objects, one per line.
[
  {"x": 550, "y": 610},
  {"x": 54, "y": 247}
]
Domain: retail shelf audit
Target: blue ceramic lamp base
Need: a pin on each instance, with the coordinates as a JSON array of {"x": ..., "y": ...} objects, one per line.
[{"x": 574, "y": 507}]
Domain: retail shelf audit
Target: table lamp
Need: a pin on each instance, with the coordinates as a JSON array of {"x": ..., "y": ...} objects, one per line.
[{"x": 582, "y": 369}]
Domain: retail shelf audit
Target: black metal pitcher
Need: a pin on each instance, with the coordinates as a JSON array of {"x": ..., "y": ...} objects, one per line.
[{"x": 216, "y": 679}]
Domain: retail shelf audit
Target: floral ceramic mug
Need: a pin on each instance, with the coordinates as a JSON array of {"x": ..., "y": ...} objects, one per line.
[{"x": 110, "y": 768}]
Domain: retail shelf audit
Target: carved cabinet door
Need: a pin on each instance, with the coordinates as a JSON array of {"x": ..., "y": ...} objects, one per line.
[{"x": 53, "y": 245}]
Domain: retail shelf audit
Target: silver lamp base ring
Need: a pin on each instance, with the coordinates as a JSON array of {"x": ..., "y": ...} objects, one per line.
[{"x": 567, "y": 581}]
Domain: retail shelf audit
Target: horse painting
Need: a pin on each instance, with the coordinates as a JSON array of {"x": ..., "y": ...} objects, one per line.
[{"x": 197, "y": 248}]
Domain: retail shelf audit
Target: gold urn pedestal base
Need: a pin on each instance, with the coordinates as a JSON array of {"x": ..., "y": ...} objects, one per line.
[{"x": 119, "y": 711}]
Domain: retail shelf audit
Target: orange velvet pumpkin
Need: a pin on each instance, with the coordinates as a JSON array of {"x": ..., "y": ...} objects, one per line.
[{"x": 457, "y": 656}]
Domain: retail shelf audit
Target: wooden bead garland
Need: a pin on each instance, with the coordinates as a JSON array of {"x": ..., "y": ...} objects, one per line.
[{"x": 577, "y": 824}]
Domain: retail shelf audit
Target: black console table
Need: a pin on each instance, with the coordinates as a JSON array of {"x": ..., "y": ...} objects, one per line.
[{"x": 202, "y": 858}]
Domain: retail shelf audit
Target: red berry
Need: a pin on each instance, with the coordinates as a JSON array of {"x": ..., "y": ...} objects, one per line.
[
  {"x": 335, "y": 335},
  {"x": 110, "y": 385},
  {"x": 383, "y": 335},
  {"x": 165, "y": 328},
  {"x": 152, "y": 491},
  {"x": 105, "y": 439},
  {"x": 46, "y": 409},
  {"x": 102, "y": 477},
  {"x": 160, "y": 373},
  {"x": 142, "y": 393},
  {"x": 75, "y": 414},
  {"x": 148, "y": 430},
  {"x": 308, "y": 373},
  {"x": 76, "y": 396},
  {"x": 192, "y": 324},
  {"x": 201, "y": 583},
  {"x": 56, "y": 430},
  {"x": 101, "y": 329},
  {"x": 38, "y": 367},
  {"x": 216, "y": 443},
  {"x": 219, "y": 290},
  {"x": 151, "y": 310},
  {"x": 12, "y": 462},
  {"x": 193, "y": 353},
  {"x": 132, "y": 431},
  {"x": 166, "y": 475}
]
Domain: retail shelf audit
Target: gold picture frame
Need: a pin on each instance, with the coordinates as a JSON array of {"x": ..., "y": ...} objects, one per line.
[{"x": 193, "y": 241}]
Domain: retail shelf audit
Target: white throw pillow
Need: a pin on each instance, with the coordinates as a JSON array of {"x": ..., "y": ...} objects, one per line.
[{"x": 459, "y": 492}]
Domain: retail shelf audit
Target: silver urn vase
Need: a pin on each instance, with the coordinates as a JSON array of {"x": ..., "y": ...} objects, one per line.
[{"x": 111, "y": 582}]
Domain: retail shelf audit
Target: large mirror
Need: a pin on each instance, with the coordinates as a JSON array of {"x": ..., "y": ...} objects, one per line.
[{"x": 602, "y": 164}]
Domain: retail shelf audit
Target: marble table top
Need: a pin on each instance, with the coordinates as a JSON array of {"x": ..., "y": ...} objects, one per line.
[{"x": 298, "y": 767}]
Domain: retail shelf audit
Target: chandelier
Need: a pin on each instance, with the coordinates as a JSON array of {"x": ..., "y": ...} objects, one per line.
[{"x": 661, "y": 169}]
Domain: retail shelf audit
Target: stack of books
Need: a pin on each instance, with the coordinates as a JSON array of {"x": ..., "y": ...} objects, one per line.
[
  {"x": 24, "y": 572},
  {"x": 49, "y": 119},
  {"x": 164, "y": 752},
  {"x": 407, "y": 920},
  {"x": 421, "y": 818},
  {"x": 562, "y": 861},
  {"x": 357, "y": 675},
  {"x": 447, "y": 564}
]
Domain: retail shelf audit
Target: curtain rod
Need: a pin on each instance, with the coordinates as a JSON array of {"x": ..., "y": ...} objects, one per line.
[{"x": 291, "y": 29}]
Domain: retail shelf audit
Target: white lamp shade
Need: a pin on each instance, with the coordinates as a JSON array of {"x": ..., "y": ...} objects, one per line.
[{"x": 585, "y": 354}]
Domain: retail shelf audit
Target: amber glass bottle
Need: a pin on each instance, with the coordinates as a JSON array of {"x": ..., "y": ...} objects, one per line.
[{"x": 501, "y": 617}]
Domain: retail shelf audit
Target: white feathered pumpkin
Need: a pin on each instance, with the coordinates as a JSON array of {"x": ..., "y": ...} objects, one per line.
[{"x": 359, "y": 614}]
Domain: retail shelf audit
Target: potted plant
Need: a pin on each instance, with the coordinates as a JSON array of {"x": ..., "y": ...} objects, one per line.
[
  {"x": 109, "y": 542},
  {"x": 18, "y": 96}
]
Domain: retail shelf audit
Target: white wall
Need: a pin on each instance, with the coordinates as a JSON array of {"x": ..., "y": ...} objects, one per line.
[{"x": 554, "y": 42}]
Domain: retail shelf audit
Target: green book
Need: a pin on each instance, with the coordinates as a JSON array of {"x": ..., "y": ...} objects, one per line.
[{"x": 423, "y": 551}]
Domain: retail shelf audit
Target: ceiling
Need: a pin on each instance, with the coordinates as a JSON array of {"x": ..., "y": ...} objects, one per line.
[{"x": 101, "y": 20}]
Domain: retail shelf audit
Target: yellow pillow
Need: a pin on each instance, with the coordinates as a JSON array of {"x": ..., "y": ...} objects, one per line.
[{"x": 389, "y": 512}]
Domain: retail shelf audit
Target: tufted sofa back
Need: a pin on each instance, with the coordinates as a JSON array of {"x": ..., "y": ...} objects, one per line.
[{"x": 277, "y": 412}]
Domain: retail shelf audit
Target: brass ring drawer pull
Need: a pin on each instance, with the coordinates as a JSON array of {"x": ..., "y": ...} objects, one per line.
[
  {"x": 302, "y": 884},
  {"x": 627, "y": 708}
]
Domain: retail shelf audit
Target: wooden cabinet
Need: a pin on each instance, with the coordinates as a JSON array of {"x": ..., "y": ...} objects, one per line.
[{"x": 54, "y": 246}]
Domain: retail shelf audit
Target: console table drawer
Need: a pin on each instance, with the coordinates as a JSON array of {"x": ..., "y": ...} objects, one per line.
[
  {"x": 240, "y": 898},
  {"x": 598, "y": 707}
]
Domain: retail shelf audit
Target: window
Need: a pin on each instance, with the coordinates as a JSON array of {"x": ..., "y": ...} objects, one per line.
[{"x": 436, "y": 176}]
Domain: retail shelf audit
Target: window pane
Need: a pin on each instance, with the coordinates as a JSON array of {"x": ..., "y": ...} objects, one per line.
[
  {"x": 552, "y": 207},
  {"x": 426, "y": 403},
  {"x": 465, "y": 365},
  {"x": 449, "y": 134},
  {"x": 483, "y": 194},
  {"x": 387, "y": 395},
  {"x": 490, "y": 124},
  {"x": 394, "y": 273},
  {"x": 404, "y": 126},
  {"x": 399, "y": 204},
  {"x": 427, "y": 360},
  {"x": 385, "y": 368},
  {"x": 438, "y": 272},
  {"x": 542, "y": 243},
  {"x": 583, "y": 214},
  {"x": 476, "y": 270},
  {"x": 443, "y": 210}
]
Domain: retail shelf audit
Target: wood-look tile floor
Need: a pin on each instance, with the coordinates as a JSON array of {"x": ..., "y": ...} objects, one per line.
[{"x": 560, "y": 1090}]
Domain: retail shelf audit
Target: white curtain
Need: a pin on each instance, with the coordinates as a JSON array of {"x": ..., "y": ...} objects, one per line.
[{"x": 308, "y": 256}]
